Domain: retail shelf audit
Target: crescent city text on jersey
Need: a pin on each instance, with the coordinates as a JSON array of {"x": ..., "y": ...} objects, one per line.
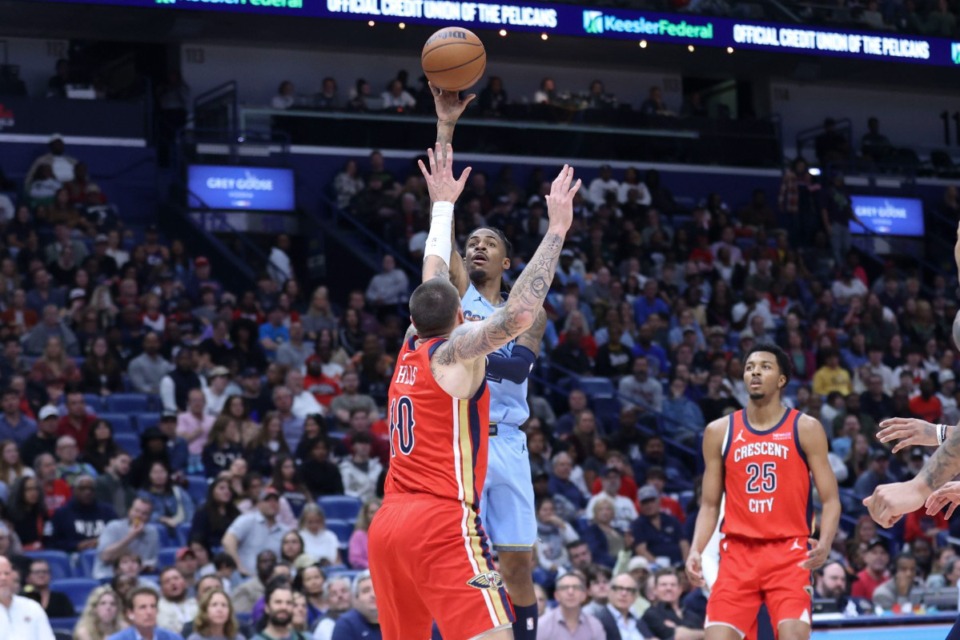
[{"x": 761, "y": 449}]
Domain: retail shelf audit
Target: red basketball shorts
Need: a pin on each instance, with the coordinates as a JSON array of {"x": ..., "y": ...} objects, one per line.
[
  {"x": 430, "y": 561},
  {"x": 755, "y": 572}
]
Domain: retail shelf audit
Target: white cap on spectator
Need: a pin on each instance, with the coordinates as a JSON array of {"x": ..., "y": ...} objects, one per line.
[
  {"x": 638, "y": 562},
  {"x": 77, "y": 293},
  {"x": 946, "y": 376},
  {"x": 49, "y": 411},
  {"x": 55, "y": 136}
]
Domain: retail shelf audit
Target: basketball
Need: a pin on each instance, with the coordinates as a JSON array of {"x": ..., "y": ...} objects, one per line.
[{"x": 453, "y": 59}]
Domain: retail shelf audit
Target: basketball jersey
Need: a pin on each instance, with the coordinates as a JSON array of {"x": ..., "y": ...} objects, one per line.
[
  {"x": 508, "y": 404},
  {"x": 767, "y": 483},
  {"x": 438, "y": 443}
]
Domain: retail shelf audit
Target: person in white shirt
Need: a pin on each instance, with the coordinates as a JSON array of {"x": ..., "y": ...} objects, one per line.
[
  {"x": 318, "y": 541},
  {"x": 603, "y": 185},
  {"x": 624, "y": 510},
  {"x": 279, "y": 265},
  {"x": 360, "y": 472},
  {"x": 216, "y": 393},
  {"x": 175, "y": 608},
  {"x": 632, "y": 182},
  {"x": 20, "y": 618},
  {"x": 304, "y": 403},
  {"x": 285, "y": 96},
  {"x": 390, "y": 287},
  {"x": 396, "y": 97}
]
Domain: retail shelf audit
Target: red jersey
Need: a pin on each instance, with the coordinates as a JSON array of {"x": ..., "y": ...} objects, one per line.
[
  {"x": 438, "y": 443},
  {"x": 766, "y": 480}
]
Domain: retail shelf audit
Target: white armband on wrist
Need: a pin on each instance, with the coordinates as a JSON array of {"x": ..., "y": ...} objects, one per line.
[{"x": 438, "y": 239}]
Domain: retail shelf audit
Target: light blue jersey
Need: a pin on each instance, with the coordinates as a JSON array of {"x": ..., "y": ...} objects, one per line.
[{"x": 508, "y": 400}]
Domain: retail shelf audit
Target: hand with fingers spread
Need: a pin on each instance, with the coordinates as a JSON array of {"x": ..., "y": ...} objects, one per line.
[
  {"x": 441, "y": 184},
  {"x": 890, "y": 502},
  {"x": 908, "y": 432},
  {"x": 816, "y": 556},
  {"x": 449, "y": 104},
  {"x": 560, "y": 200},
  {"x": 946, "y": 496}
]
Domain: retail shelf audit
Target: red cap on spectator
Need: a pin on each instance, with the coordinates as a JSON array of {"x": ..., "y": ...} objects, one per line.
[
  {"x": 183, "y": 552},
  {"x": 201, "y": 262}
]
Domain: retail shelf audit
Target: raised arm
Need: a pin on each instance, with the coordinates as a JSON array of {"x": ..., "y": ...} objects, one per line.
[
  {"x": 710, "y": 498},
  {"x": 473, "y": 340},
  {"x": 449, "y": 109},
  {"x": 813, "y": 439},
  {"x": 444, "y": 190}
]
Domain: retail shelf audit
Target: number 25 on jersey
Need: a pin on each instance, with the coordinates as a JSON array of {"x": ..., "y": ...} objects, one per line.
[{"x": 401, "y": 426}]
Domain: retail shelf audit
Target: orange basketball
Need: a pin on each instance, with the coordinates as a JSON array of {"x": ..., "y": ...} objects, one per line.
[{"x": 453, "y": 59}]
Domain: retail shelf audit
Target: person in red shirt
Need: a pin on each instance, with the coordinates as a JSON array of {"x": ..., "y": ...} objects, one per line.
[
  {"x": 658, "y": 478},
  {"x": 877, "y": 558},
  {"x": 56, "y": 492},
  {"x": 628, "y": 486},
  {"x": 77, "y": 423},
  {"x": 323, "y": 387},
  {"x": 927, "y": 405}
]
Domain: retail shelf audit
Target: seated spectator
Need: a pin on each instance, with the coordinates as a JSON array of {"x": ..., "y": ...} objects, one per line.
[
  {"x": 55, "y": 604},
  {"x": 361, "y": 620},
  {"x": 112, "y": 487},
  {"x": 831, "y": 584},
  {"x": 215, "y": 394},
  {"x": 396, "y": 97},
  {"x": 56, "y": 491},
  {"x": 141, "y": 610},
  {"x": 876, "y": 558},
  {"x": 212, "y": 520},
  {"x": 294, "y": 353},
  {"x": 666, "y": 618},
  {"x": 357, "y": 547},
  {"x": 926, "y": 405},
  {"x": 288, "y": 482},
  {"x": 46, "y": 299},
  {"x": 831, "y": 377},
  {"x": 903, "y": 589},
  {"x": 224, "y": 445},
  {"x": 45, "y": 439},
  {"x": 617, "y": 618},
  {"x": 683, "y": 416},
  {"x": 171, "y": 505},
  {"x": 194, "y": 426},
  {"x": 102, "y": 616},
  {"x": 656, "y": 534},
  {"x": 569, "y": 619},
  {"x": 554, "y": 534},
  {"x": 654, "y": 104},
  {"x": 149, "y": 368},
  {"x": 602, "y": 186},
  {"x": 360, "y": 472},
  {"x": 131, "y": 535},
  {"x": 176, "y": 608},
  {"x": 78, "y": 524},
  {"x": 18, "y": 316},
  {"x": 254, "y": 532},
  {"x": 321, "y": 476},
  {"x": 54, "y": 364},
  {"x": 624, "y": 510},
  {"x": 286, "y": 96},
  {"x": 11, "y": 466},
  {"x": 304, "y": 403},
  {"x": 28, "y": 513},
  {"x": 876, "y": 474},
  {"x": 493, "y": 98},
  {"x": 388, "y": 288},
  {"x": 605, "y": 541},
  {"x": 547, "y": 94},
  {"x": 247, "y": 593},
  {"x": 15, "y": 426},
  {"x": 351, "y": 399},
  {"x": 44, "y": 186},
  {"x": 175, "y": 387},
  {"x": 69, "y": 468},
  {"x": 569, "y": 496},
  {"x": 215, "y": 618}
]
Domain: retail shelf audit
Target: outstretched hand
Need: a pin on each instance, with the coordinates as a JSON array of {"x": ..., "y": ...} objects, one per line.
[
  {"x": 449, "y": 105},
  {"x": 946, "y": 496},
  {"x": 560, "y": 199},
  {"x": 908, "y": 432},
  {"x": 441, "y": 184},
  {"x": 816, "y": 556}
]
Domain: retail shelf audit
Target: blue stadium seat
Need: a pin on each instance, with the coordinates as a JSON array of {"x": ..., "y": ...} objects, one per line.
[
  {"x": 85, "y": 565},
  {"x": 77, "y": 589},
  {"x": 166, "y": 557},
  {"x": 94, "y": 401},
  {"x": 342, "y": 528},
  {"x": 146, "y": 420},
  {"x": 166, "y": 538},
  {"x": 128, "y": 403},
  {"x": 183, "y": 531},
  {"x": 345, "y": 573},
  {"x": 63, "y": 627},
  {"x": 58, "y": 560},
  {"x": 121, "y": 423},
  {"x": 129, "y": 442},
  {"x": 197, "y": 488},
  {"x": 595, "y": 387},
  {"x": 340, "y": 507}
]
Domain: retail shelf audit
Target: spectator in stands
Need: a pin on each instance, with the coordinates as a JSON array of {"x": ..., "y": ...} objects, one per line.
[
  {"x": 25, "y": 618},
  {"x": 14, "y": 425},
  {"x": 657, "y": 534},
  {"x": 56, "y": 158},
  {"x": 361, "y": 621},
  {"x": 351, "y": 399},
  {"x": 624, "y": 510},
  {"x": 112, "y": 486},
  {"x": 56, "y": 604},
  {"x": 28, "y": 513},
  {"x": 397, "y": 98},
  {"x": 176, "y": 386},
  {"x": 831, "y": 377},
  {"x": 940, "y": 21},
  {"x": 176, "y": 608},
  {"x": 640, "y": 390},
  {"x": 876, "y": 474},
  {"x": 287, "y": 480},
  {"x": 319, "y": 542},
  {"x": 357, "y": 546},
  {"x": 101, "y": 617},
  {"x": 874, "y": 146},
  {"x": 360, "y": 472},
  {"x": 254, "y": 532},
  {"x": 56, "y": 492},
  {"x": 273, "y": 333},
  {"x": 322, "y": 476},
  {"x": 194, "y": 426},
  {"x": 926, "y": 405},
  {"x": 142, "y": 611},
  {"x": 666, "y": 618},
  {"x": 569, "y": 620},
  {"x": 605, "y": 540},
  {"x": 553, "y": 533},
  {"x": 683, "y": 416},
  {"x": 45, "y": 439},
  {"x": 388, "y": 288},
  {"x": 44, "y": 187},
  {"x": 224, "y": 445},
  {"x": 493, "y": 98},
  {"x": 246, "y": 594},
  {"x": 576, "y": 404},
  {"x": 69, "y": 468},
  {"x": 561, "y": 485},
  {"x": 903, "y": 589},
  {"x": 286, "y": 96},
  {"x": 256, "y": 398},
  {"x": 654, "y": 104},
  {"x": 832, "y": 147},
  {"x": 18, "y": 316},
  {"x": 831, "y": 584},
  {"x": 876, "y": 558},
  {"x": 78, "y": 524},
  {"x": 132, "y": 535},
  {"x": 54, "y": 341},
  {"x": 11, "y": 466},
  {"x": 171, "y": 505},
  {"x": 215, "y": 618},
  {"x": 212, "y": 520},
  {"x": 547, "y": 94},
  {"x": 215, "y": 394},
  {"x": 294, "y": 353},
  {"x": 101, "y": 446},
  {"x": 101, "y": 372},
  {"x": 617, "y": 618},
  {"x": 48, "y": 299},
  {"x": 603, "y": 187},
  {"x": 304, "y": 403},
  {"x": 291, "y": 423}
]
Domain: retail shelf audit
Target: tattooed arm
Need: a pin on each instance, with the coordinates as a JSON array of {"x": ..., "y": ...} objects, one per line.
[
  {"x": 533, "y": 337},
  {"x": 454, "y": 364}
]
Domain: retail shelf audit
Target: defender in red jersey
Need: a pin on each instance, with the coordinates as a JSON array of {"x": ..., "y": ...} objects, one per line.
[
  {"x": 429, "y": 555},
  {"x": 761, "y": 460}
]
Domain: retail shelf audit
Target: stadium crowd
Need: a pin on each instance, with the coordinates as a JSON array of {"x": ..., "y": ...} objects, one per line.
[{"x": 207, "y": 461}]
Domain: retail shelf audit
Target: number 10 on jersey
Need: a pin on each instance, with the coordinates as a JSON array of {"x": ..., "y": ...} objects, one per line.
[{"x": 401, "y": 424}]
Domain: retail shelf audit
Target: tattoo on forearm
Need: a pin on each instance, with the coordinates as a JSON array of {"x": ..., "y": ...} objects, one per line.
[{"x": 945, "y": 462}]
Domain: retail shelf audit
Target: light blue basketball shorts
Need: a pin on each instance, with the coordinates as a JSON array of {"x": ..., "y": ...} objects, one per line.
[{"x": 506, "y": 504}]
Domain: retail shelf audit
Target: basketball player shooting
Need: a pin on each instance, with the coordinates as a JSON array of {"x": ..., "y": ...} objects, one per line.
[
  {"x": 428, "y": 550},
  {"x": 761, "y": 459},
  {"x": 507, "y": 505}
]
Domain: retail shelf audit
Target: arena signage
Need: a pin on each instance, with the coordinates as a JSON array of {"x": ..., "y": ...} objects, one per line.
[
  {"x": 241, "y": 188},
  {"x": 571, "y": 20},
  {"x": 888, "y": 216}
]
